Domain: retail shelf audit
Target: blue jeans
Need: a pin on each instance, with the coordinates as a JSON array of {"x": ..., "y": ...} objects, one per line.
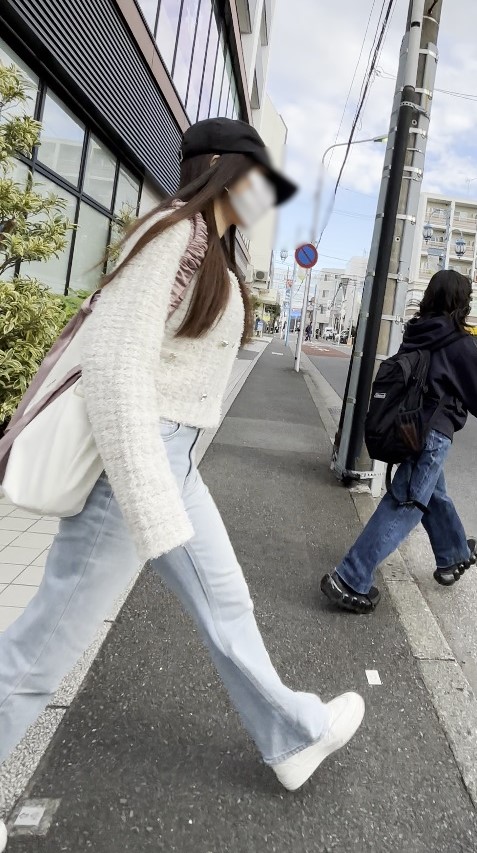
[
  {"x": 91, "y": 562},
  {"x": 390, "y": 523}
]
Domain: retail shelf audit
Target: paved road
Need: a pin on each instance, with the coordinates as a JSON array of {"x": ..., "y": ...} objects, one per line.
[{"x": 454, "y": 608}]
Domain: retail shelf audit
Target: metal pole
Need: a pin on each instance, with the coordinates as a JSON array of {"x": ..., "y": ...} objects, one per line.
[
  {"x": 304, "y": 311},
  {"x": 313, "y": 319},
  {"x": 384, "y": 291},
  {"x": 351, "y": 322},
  {"x": 291, "y": 305}
]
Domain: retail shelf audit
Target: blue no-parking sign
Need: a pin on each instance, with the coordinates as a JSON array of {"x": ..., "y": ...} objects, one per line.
[{"x": 306, "y": 256}]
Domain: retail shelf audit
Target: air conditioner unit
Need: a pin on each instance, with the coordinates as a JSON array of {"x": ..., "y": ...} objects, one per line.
[{"x": 260, "y": 275}]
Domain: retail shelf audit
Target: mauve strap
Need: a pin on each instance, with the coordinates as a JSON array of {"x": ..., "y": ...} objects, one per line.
[{"x": 52, "y": 356}]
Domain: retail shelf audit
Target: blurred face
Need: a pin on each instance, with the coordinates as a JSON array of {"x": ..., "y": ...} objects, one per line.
[{"x": 250, "y": 198}]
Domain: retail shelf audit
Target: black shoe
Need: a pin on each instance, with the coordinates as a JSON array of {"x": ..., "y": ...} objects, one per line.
[
  {"x": 346, "y": 598},
  {"x": 451, "y": 574}
]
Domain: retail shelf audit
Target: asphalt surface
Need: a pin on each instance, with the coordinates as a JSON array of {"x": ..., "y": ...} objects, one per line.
[
  {"x": 455, "y": 609},
  {"x": 150, "y": 756}
]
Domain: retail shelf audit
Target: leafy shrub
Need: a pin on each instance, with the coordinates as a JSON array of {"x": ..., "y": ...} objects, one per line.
[{"x": 30, "y": 320}]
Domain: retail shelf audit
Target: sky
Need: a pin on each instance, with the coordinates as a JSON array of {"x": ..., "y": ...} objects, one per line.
[{"x": 314, "y": 52}]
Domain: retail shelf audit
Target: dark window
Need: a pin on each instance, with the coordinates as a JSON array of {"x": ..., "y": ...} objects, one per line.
[
  {"x": 78, "y": 167},
  {"x": 185, "y": 45},
  {"x": 149, "y": 12},
  {"x": 200, "y": 58},
  {"x": 209, "y": 69},
  {"x": 62, "y": 139},
  {"x": 167, "y": 26},
  {"x": 218, "y": 79}
]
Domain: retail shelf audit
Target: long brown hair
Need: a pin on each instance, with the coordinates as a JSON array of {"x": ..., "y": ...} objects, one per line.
[
  {"x": 448, "y": 293},
  {"x": 200, "y": 185}
]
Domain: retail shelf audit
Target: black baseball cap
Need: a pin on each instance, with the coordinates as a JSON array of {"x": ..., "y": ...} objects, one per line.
[{"x": 232, "y": 136}]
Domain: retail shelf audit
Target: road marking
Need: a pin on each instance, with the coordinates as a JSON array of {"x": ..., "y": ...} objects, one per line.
[
  {"x": 30, "y": 816},
  {"x": 277, "y": 353},
  {"x": 34, "y": 817},
  {"x": 373, "y": 676}
]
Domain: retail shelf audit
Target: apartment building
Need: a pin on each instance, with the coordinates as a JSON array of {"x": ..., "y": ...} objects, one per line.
[{"x": 446, "y": 231}]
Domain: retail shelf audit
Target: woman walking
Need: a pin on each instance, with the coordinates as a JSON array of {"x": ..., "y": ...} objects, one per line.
[
  {"x": 419, "y": 488},
  {"x": 156, "y": 360}
]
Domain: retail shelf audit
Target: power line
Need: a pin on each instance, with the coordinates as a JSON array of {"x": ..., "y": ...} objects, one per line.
[
  {"x": 352, "y": 215},
  {"x": 365, "y": 89},
  {"x": 354, "y": 78},
  {"x": 379, "y": 53},
  {"x": 385, "y": 75}
]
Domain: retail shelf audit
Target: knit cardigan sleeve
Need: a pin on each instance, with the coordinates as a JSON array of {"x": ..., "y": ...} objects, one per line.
[{"x": 121, "y": 353}]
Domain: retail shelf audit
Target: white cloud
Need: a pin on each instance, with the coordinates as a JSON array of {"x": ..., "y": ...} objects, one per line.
[{"x": 315, "y": 46}]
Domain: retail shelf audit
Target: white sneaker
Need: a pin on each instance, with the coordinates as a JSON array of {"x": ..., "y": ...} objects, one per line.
[
  {"x": 346, "y": 715},
  {"x": 3, "y": 836}
]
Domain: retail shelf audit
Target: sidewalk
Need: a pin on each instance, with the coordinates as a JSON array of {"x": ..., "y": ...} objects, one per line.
[{"x": 150, "y": 757}]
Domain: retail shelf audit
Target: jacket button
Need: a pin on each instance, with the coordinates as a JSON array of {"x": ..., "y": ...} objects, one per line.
[
  {"x": 204, "y": 396},
  {"x": 224, "y": 343}
]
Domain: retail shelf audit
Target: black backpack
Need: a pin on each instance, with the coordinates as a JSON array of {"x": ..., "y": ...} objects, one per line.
[{"x": 395, "y": 428}]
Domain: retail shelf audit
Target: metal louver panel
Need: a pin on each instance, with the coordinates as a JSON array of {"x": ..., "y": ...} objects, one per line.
[{"x": 87, "y": 46}]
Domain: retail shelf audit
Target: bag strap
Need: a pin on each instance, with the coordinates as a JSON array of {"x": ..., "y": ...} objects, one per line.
[{"x": 58, "y": 348}]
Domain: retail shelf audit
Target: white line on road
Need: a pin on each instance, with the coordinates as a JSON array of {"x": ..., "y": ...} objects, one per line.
[
  {"x": 277, "y": 353},
  {"x": 373, "y": 676}
]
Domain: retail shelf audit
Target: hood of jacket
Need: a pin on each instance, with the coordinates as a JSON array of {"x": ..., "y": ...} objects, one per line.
[{"x": 427, "y": 332}]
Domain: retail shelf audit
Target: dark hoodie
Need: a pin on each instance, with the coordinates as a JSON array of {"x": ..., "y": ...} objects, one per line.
[{"x": 452, "y": 374}]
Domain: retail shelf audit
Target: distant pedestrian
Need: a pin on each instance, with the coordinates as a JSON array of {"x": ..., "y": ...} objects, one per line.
[
  {"x": 158, "y": 352},
  {"x": 308, "y": 332},
  {"x": 418, "y": 490}
]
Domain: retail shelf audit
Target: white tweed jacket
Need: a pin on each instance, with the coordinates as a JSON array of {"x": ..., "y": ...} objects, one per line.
[{"x": 135, "y": 372}]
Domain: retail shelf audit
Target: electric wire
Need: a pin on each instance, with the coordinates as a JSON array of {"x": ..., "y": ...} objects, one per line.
[
  {"x": 365, "y": 88},
  {"x": 353, "y": 79}
]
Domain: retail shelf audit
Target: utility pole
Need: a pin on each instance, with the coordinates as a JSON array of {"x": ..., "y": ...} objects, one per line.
[
  {"x": 287, "y": 333},
  {"x": 315, "y": 307},
  {"x": 380, "y": 322},
  {"x": 304, "y": 312}
]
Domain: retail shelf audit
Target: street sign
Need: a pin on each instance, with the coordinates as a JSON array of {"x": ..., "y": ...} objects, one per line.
[{"x": 306, "y": 256}]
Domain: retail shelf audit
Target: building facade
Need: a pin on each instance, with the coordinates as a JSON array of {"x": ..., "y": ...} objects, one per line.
[
  {"x": 446, "y": 231},
  {"x": 115, "y": 83},
  {"x": 255, "y": 21}
]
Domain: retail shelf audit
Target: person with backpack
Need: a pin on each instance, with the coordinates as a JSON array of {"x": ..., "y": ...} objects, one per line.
[
  {"x": 420, "y": 398},
  {"x": 158, "y": 347}
]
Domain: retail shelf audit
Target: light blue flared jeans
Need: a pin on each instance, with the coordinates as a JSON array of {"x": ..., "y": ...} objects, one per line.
[{"x": 91, "y": 562}]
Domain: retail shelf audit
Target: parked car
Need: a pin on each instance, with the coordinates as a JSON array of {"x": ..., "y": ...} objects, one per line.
[
  {"x": 329, "y": 334},
  {"x": 344, "y": 336}
]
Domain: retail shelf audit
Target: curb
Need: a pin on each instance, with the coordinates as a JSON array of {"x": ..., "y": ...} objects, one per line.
[
  {"x": 17, "y": 770},
  {"x": 451, "y": 694}
]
